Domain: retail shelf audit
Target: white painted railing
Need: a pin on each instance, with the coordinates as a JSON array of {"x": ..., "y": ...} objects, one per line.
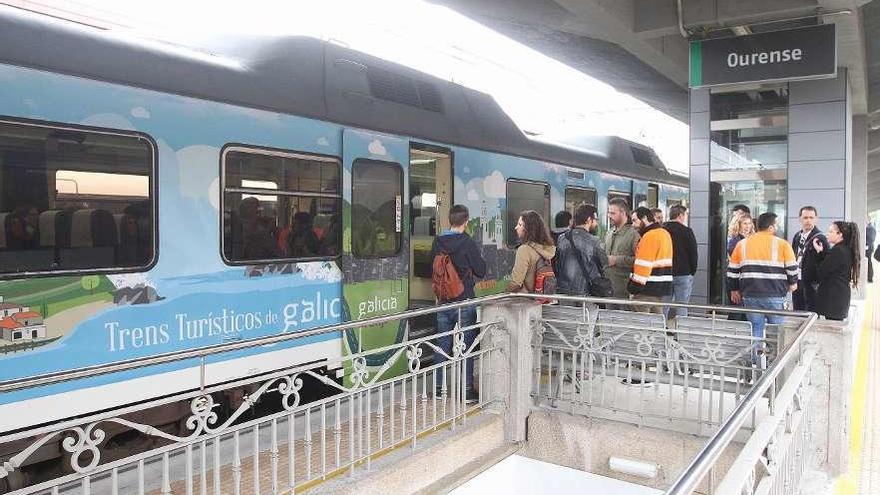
[{"x": 624, "y": 365}]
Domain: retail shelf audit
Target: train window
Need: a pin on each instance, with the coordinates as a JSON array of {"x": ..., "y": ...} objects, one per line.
[
  {"x": 376, "y": 208},
  {"x": 575, "y": 196},
  {"x": 653, "y": 195},
  {"x": 75, "y": 200},
  {"x": 280, "y": 206},
  {"x": 521, "y": 196}
]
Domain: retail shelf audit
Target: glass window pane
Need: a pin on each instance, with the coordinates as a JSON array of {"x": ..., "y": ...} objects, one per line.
[
  {"x": 280, "y": 206},
  {"x": 376, "y": 202},
  {"x": 423, "y": 196},
  {"x": 748, "y": 165},
  {"x": 523, "y": 196},
  {"x": 288, "y": 172},
  {"x": 74, "y": 200},
  {"x": 653, "y": 195},
  {"x": 575, "y": 196}
]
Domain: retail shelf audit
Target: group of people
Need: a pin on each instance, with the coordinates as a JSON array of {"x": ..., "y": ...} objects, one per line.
[
  {"x": 641, "y": 258},
  {"x": 255, "y": 236},
  {"x": 645, "y": 259},
  {"x": 818, "y": 269}
]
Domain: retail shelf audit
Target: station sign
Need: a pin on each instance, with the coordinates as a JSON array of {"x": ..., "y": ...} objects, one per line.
[{"x": 805, "y": 53}]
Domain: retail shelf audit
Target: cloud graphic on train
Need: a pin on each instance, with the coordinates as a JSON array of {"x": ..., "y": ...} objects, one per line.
[
  {"x": 214, "y": 193},
  {"x": 474, "y": 189},
  {"x": 376, "y": 148},
  {"x": 197, "y": 168},
  {"x": 494, "y": 186},
  {"x": 472, "y": 195},
  {"x": 140, "y": 113}
]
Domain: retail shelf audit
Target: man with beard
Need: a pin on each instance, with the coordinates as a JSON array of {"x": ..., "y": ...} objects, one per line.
[
  {"x": 651, "y": 278},
  {"x": 579, "y": 257}
]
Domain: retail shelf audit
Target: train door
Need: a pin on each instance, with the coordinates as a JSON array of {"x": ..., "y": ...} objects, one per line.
[
  {"x": 375, "y": 261},
  {"x": 430, "y": 195}
]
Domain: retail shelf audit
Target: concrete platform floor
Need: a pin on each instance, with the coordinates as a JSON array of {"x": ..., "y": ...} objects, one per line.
[
  {"x": 863, "y": 474},
  {"x": 866, "y": 457}
]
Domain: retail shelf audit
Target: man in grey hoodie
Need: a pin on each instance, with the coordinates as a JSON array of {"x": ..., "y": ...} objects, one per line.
[{"x": 620, "y": 245}]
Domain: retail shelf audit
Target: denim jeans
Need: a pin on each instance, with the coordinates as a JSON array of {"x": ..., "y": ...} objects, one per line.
[
  {"x": 446, "y": 321},
  {"x": 682, "y": 285},
  {"x": 759, "y": 321}
]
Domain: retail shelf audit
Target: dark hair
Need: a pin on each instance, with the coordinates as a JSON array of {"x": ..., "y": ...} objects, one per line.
[
  {"x": 766, "y": 220},
  {"x": 644, "y": 214},
  {"x": 851, "y": 242},
  {"x": 655, "y": 211},
  {"x": 585, "y": 212},
  {"x": 536, "y": 229},
  {"x": 620, "y": 203},
  {"x": 743, "y": 208},
  {"x": 562, "y": 219},
  {"x": 458, "y": 215},
  {"x": 811, "y": 208},
  {"x": 676, "y": 211}
]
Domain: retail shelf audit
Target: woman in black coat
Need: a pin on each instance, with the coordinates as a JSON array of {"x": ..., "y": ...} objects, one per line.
[{"x": 838, "y": 269}]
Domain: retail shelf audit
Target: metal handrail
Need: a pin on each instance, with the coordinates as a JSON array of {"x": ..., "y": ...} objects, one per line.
[
  {"x": 711, "y": 452},
  {"x": 204, "y": 352}
]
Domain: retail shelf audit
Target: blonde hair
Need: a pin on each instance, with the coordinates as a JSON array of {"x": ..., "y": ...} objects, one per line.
[{"x": 735, "y": 226}]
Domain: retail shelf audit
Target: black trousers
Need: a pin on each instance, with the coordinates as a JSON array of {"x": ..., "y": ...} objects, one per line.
[
  {"x": 870, "y": 266},
  {"x": 804, "y": 298}
]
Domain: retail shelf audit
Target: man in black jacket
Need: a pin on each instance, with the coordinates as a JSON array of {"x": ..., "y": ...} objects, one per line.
[
  {"x": 579, "y": 257},
  {"x": 684, "y": 257},
  {"x": 804, "y": 298},
  {"x": 469, "y": 263}
]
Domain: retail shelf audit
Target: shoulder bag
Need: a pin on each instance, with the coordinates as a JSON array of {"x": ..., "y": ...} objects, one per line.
[{"x": 599, "y": 286}]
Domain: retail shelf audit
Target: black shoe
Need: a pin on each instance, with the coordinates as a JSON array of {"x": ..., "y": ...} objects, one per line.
[
  {"x": 637, "y": 382},
  {"x": 471, "y": 397}
]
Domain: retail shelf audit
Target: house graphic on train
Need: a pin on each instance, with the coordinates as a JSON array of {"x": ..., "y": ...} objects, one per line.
[{"x": 18, "y": 323}]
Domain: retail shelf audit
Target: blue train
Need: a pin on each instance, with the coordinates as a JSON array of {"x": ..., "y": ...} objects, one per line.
[{"x": 156, "y": 198}]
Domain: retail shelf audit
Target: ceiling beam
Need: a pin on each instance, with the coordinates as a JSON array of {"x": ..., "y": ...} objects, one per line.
[
  {"x": 660, "y": 17},
  {"x": 874, "y": 142}
]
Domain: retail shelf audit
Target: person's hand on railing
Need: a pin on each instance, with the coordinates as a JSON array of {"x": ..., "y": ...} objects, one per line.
[{"x": 735, "y": 297}]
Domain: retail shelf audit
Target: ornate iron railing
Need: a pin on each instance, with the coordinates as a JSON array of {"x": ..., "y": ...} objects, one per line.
[
  {"x": 635, "y": 367},
  {"x": 704, "y": 370},
  {"x": 221, "y": 447}
]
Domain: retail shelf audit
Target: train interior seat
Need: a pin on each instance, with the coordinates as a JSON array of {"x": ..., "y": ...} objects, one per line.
[{"x": 92, "y": 240}]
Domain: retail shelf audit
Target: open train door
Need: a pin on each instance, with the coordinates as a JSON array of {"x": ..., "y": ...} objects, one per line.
[{"x": 375, "y": 260}]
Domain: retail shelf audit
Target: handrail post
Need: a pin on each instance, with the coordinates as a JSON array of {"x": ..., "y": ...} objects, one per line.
[{"x": 514, "y": 364}]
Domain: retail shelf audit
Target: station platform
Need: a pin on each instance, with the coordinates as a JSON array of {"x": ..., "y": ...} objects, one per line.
[{"x": 863, "y": 476}]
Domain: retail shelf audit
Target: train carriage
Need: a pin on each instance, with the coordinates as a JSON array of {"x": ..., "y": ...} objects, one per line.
[{"x": 155, "y": 198}]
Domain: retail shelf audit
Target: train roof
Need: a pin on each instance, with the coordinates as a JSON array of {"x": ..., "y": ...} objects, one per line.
[{"x": 312, "y": 78}]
